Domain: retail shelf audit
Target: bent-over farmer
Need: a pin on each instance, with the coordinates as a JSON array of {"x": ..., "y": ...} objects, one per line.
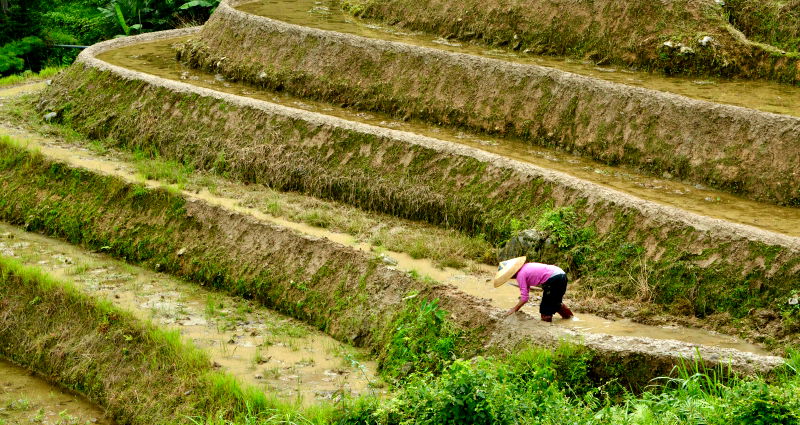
[{"x": 552, "y": 280}]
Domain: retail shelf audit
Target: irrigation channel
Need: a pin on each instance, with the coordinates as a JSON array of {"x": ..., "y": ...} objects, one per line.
[{"x": 260, "y": 347}]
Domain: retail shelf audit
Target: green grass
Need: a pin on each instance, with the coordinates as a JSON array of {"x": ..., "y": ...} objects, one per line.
[
  {"x": 420, "y": 342},
  {"x": 615, "y": 264},
  {"x": 28, "y": 76},
  {"x": 445, "y": 247},
  {"x": 154, "y": 168}
]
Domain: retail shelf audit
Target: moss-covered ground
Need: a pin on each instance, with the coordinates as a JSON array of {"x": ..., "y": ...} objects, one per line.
[{"x": 773, "y": 22}]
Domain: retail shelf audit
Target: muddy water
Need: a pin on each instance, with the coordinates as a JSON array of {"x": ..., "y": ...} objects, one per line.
[
  {"x": 26, "y": 399},
  {"x": 260, "y": 347},
  {"x": 158, "y": 59},
  {"x": 765, "y": 96}
]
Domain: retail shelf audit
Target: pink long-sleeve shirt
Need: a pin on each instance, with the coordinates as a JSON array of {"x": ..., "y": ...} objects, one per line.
[{"x": 534, "y": 274}]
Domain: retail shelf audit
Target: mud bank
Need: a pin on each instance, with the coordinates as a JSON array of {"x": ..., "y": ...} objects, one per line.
[
  {"x": 260, "y": 203},
  {"x": 742, "y": 151},
  {"x": 157, "y": 59},
  {"x": 700, "y": 266},
  {"x": 347, "y": 293}
]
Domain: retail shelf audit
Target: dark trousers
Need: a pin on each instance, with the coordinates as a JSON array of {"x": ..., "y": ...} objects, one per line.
[{"x": 554, "y": 289}]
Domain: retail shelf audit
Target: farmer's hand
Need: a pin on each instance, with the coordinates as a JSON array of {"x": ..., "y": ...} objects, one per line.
[{"x": 509, "y": 312}]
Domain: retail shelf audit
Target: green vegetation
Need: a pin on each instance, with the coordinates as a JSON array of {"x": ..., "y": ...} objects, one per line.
[
  {"x": 30, "y": 30},
  {"x": 445, "y": 247},
  {"x": 11, "y": 54},
  {"x": 155, "y": 168},
  {"x": 160, "y": 224},
  {"x": 29, "y": 75},
  {"x": 503, "y": 100},
  {"x": 419, "y": 339},
  {"x": 774, "y": 22},
  {"x": 524, "y": 387},
  {"x": 606, "y": 32},
  {"x": 682, "y": 273}
]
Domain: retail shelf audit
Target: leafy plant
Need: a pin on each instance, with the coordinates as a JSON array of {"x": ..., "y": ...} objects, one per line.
[
  {"x": 563, "y": 226},
  {"x": 122, "y": 12},
  {"x": 421, "y": 339},
  {"x": 11, "y": 53},
  {"x": 210, "y": 4}
]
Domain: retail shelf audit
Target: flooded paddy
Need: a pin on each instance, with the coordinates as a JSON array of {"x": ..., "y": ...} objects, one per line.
[
  {"x": 157, "y": 58},
  {"x": 27, "y": 399},
  {"x": 761, "y": 95},
  {"x": 281, "y": 355}
]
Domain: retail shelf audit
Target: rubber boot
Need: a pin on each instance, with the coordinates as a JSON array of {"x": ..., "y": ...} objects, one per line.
[
  {"x": 546, "y": 318},
  {"x": 565, "y": 312}
]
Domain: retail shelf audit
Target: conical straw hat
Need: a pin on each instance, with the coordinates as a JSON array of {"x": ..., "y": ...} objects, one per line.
[{"x": 507, "y": 269}]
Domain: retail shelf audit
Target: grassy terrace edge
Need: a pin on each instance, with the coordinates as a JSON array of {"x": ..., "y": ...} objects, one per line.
[
  {"x": 698, "y": 267},
  {"x": 106, "y": 354},
  {"x": 734, "y": 149}
]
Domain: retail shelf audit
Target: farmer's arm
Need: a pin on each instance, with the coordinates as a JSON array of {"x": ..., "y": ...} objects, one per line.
[
  {"x": 523, "y": 292},
  {"x": 514, "y": 309}
]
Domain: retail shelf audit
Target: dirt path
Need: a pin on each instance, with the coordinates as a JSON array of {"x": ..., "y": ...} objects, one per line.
[{"x": 21, "y": 89}]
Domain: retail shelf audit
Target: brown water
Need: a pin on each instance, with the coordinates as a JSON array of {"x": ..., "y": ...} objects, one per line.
[
  {"x": 281, "y": 355},
  {"x": 475, "y": 283},
  {"x": 157, "y": 58},
  {"x": 761, "y": 95},
  {"x": 27, "y": 399}
]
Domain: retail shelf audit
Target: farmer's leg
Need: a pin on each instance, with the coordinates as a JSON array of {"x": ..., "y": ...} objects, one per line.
[{"x": 553, "y": 289}]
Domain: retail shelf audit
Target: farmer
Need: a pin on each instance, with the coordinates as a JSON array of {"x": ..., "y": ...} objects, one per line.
[{"x": 551, "y": 278}]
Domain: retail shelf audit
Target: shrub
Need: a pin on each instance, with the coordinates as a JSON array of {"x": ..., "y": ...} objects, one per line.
[{"x": 10, "y": 54}]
